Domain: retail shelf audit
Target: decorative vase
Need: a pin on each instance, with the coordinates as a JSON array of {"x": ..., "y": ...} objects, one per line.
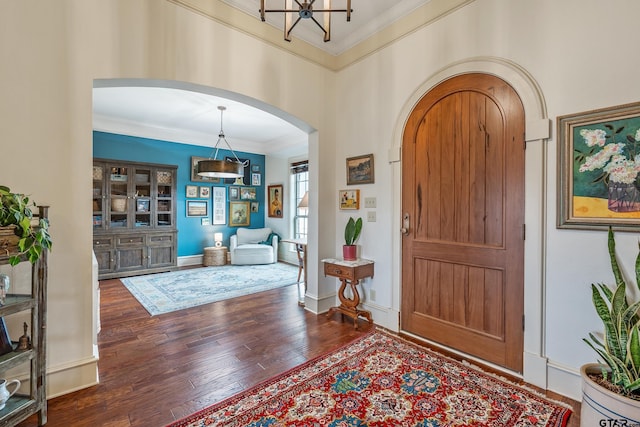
[
  {"x": 623, "y": 197},
  {"x": 349, "y": 252},
  {"x": 4, "y": 393},
  {"x": 604, "y": 407}
]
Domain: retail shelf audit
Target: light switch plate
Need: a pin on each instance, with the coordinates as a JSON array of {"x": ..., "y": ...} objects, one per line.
[
  {"x": 369, "y": 202},
  {"x": 371, "y": 216}
]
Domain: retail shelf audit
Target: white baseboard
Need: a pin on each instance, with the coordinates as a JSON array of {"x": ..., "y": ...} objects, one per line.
[
  {"x": 67, "y": 378},
  {"x": 564, "y": 380},
  {"x": 190, "y": 260},
  {"x": 384, "y": 316}
]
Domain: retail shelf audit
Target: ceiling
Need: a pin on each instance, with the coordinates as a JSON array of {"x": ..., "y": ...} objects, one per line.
[{"x": 190, "y": 114}]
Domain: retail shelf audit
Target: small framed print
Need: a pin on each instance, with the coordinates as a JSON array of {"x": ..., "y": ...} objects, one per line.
[
  {"x": 255, "y": 207},
  {"x": 256, "y": 179},
  {"x": 197, "y": 207},
  {"x": 194, "y": 172},
  {"x": 255, "y": 168},
  {"x": 191, "y": 191},
  {"x": 205, "y": 192},
  {"x": 248, "y": 193},
  {"x": 360, "y": 170},
  {"x": 234, "y": 193},
  {"x": 239, "y": 214},
  {"x": 205, "y": 221},
  {"x": 349, "y": 199}
]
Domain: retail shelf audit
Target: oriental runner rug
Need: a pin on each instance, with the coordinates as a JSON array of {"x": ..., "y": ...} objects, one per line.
[{"x": 383, "y": 380}]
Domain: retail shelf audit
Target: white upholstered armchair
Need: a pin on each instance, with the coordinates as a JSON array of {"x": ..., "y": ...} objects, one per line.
[{"x": 253, "y": 246}]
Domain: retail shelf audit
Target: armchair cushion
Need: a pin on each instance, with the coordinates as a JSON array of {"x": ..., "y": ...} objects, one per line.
[{"x": 249, "y": 246}]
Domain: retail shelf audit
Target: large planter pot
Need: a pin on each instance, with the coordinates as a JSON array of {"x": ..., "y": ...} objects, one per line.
[{"x": 602, "y": 407}]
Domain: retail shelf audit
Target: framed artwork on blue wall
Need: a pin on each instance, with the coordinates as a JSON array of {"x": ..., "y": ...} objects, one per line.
[
  {"x": 219, "y": 205},
  {"x": 197, "y": 208},
  {"x": 194, "y": 171}
]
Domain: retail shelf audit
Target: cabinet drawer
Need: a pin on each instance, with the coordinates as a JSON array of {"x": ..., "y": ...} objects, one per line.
[
  {"x": 160, "y": 239},
  {"x": 338, "y": 271},
  {"x": 130, "y": 240},
  {"x": 102, "y": 242}
]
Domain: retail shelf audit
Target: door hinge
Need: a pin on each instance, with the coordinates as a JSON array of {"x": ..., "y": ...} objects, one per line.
[
  {"x": 524, "y": 231},
  {"x": 523, "y": 322}
]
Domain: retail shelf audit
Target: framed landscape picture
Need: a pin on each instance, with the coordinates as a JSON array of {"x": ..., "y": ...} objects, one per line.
[
  {"x": 197, "y": 207},
  {"x": 598, "y": 181},
  {"x": 360, "y": 170},
  {"x": 248, "y": 193}
]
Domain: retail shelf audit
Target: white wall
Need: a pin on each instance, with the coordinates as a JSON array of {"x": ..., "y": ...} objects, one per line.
[
  {"x": 581, "y": 53},
  {"x": 567, "y": 47}
]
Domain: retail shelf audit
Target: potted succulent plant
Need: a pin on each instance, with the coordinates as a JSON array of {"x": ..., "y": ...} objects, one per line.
[
  {"x": 351, "y": 233},
  {"x": 611, "y": 389},
  {"x": 21, "y": 235}
]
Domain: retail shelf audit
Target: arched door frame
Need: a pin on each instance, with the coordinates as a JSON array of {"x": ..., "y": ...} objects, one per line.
[{"x": 537, "y": 131}]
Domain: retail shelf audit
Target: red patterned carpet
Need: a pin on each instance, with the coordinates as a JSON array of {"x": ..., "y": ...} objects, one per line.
[{"x": 382, "y": 380}]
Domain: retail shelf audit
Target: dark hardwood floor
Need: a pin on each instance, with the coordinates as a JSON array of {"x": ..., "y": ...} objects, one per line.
[{"x": 154, "y": 370}]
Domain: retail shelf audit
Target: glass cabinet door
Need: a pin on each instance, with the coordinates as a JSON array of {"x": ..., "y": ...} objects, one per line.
[
  {"x": 119, "y": 192},
  {"x": 98, "y": 197},
  {"x": 142, "y": 197},
  {"x": 164, "y": 213}
]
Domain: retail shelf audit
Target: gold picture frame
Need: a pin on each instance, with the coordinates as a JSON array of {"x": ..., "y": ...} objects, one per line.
[
  {"x": 239, "y": 214},
  {"x": 349, "y": 199}
]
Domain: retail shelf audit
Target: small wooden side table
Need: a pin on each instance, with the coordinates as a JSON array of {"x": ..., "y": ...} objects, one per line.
[
  {"x": 350, "y": 273},
  {"x": 214, "y": 256}
]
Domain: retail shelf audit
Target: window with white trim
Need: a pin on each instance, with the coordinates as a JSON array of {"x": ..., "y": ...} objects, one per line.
[{"x": 300, "y": 172}]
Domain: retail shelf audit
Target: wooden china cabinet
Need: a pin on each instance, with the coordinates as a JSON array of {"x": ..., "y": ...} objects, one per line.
[{"x": 134, "y": 218}]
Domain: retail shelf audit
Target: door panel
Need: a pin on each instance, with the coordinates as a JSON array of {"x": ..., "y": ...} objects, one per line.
[{"x": 463, "y": 189}]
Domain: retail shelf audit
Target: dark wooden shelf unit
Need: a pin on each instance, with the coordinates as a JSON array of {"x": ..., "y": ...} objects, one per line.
[{"x": 134, "y": 218}]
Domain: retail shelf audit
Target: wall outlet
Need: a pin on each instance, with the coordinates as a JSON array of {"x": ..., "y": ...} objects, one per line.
[
  {"x": 371, "y": 216},
  {"x": 369, "y": 202}
]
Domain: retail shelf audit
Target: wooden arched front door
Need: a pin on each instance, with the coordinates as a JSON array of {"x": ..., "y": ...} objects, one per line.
[{"x": 463, "y": 211}]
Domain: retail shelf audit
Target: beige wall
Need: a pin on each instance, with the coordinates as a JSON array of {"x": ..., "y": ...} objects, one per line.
[{"x": 52, "y": 51}]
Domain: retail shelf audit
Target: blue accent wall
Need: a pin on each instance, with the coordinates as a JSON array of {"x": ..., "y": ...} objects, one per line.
[{"x": 192, "y": 235}]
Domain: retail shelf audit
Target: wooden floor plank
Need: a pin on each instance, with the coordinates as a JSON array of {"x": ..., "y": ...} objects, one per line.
[{"x": 155, "y": 370}]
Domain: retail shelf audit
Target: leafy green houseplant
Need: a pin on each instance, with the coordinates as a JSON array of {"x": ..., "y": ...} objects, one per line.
[
  {"x": 619, "y": 349},
  {"x": 351, "y": 233},
  {"x": 32, "y": 237}
]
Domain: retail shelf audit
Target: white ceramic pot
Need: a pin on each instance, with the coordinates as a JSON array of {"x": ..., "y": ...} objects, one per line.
[{"x": 601, "y": 407}]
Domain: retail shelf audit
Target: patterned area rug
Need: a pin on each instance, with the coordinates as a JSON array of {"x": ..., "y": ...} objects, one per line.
[
  {"x": 381, "y": 380},
  {"x": 165, "y": 292}
]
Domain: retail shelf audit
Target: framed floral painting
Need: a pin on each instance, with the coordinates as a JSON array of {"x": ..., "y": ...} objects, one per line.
[{"x": 599, "y": 168}]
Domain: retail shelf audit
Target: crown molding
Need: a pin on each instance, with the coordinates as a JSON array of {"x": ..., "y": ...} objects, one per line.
[{"x": 241, "y": 21}]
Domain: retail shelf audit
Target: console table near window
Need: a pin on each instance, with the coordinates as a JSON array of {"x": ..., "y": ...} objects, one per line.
[{"x": 350, "y": 273}]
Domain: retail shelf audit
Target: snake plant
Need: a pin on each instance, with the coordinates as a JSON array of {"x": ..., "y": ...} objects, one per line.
[
  {"x": 620, "y": 348},
  {"x": 352, "y": 231}
]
